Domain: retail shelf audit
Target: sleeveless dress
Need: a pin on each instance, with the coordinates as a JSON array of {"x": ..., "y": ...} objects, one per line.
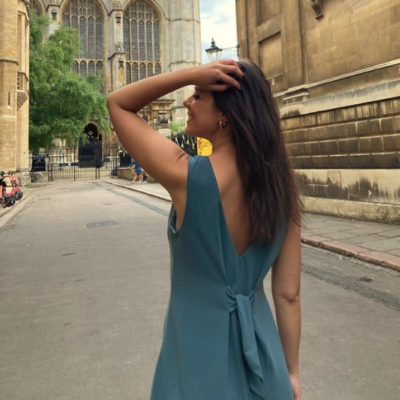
[{"x": 220, "y": 340}]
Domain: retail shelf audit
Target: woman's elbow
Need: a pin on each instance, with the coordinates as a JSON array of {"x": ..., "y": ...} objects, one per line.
[{"x": 286, "y": 296}]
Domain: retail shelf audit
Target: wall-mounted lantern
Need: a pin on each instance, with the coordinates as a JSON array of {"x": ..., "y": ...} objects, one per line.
[
  {"x": 118, "y": 18},
  {"x": 54, "y": 15}
]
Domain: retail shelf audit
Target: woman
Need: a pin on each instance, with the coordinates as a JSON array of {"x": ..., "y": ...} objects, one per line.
[{"x": 235, "y": 215}]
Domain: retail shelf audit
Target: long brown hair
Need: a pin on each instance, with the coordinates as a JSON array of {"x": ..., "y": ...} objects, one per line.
[{"x": 271, "y": 194}]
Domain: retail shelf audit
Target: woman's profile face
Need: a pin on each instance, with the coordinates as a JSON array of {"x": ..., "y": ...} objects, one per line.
[{"x": 203, "y": 116}]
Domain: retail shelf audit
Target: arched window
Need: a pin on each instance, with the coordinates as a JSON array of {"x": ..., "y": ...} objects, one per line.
[
  {"x": 86, "y": 16},
  {"x": 141, "y": 41},
  {"x": 37, "y": 7}
]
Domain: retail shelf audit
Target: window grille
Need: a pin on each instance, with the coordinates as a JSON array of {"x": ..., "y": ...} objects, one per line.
[
  {"x": 141, "y": 40},
  {"x": 86, "y": 16}
]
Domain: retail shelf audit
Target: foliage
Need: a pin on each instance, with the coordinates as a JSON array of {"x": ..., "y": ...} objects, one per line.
[
  {"x": 177, "y": 128},
  {"x": 62, "y": 103}
]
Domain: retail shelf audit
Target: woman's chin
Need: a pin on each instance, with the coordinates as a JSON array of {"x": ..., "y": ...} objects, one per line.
[{"x": 189, "y": 131}]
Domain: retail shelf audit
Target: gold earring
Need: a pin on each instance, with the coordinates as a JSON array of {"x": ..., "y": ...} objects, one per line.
[{"x": 222, "y": 124}]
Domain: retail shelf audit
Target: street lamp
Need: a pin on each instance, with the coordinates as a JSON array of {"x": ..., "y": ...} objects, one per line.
[{"x": 214, "y": 52}]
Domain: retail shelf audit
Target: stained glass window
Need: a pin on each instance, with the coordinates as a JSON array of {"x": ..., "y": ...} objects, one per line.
[
  {"x": 149, "y": 38},
  {"x": 82, "y": 68},
  {"x": 134, "y": 53},
  {"x": 142, "y": 71},
  {"x": 99, "y": 38},
  {"x": 126, "y": 35},
  {"x": 91, "y": 37},
  {"x": 142, "y": 39},
  {"x": 135, "y": 72},
  {"x": 82, "y": 29},
  {"x": 157, "y": 39},
  {"x": 99, "y": 68},
  {"x": 91, "y": 67},
  {"x": 87, "y": 17}
]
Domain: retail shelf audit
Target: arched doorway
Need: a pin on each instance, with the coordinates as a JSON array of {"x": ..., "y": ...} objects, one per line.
[{"x": 90, "y": 153}]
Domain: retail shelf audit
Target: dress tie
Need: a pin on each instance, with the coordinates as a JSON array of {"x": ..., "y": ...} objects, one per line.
[{"x": 243, "y": 305}]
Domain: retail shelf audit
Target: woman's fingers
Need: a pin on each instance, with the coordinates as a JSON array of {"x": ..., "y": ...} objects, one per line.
[{"x": 233, "y": 69}]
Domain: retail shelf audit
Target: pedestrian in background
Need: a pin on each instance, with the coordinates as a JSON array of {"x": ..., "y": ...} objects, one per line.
[
  {"x": 235, "y": 216},
  {"x": 138, "y": 172}
]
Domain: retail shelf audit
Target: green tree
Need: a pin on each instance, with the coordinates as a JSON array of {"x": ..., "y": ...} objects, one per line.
[
  {"x": 61, "y": 102},
  {"x": 177, "y": 128}
]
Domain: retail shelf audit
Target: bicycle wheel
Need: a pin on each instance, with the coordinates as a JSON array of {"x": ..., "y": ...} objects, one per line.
[{"x": 37, "y": 177}]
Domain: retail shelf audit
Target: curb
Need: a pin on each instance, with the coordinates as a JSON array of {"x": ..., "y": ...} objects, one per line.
[
  {"x": 135, "y": 189},
  {"x": 11, "y": 212},
  {"x": 348, "y": 250}
]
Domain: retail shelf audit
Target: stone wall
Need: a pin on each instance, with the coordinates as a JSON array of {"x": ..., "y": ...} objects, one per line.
[
  {"x": 14, "y": 86},
  {"x": 334, "y": 72}
]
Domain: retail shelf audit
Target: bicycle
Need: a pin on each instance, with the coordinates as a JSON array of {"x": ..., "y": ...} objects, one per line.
[{"x": 36, "y": 177}]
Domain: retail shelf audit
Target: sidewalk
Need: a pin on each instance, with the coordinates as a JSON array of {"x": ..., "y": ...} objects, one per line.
[{"x": 371, "y": 242}]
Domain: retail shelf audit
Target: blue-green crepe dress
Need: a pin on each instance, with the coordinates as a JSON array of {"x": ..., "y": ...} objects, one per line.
[{"x": 220, "y": 340}]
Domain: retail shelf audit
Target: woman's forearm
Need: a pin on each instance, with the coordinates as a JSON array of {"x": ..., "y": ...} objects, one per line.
[
  {"x": 137, "y": 95},
  {"x": 288, "y": 318}
]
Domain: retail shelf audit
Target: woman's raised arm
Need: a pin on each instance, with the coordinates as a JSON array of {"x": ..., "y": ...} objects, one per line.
[{"x": 159, "y": 156}]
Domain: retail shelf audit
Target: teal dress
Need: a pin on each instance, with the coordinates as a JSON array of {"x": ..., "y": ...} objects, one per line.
[{"x": 220, "y": 340}]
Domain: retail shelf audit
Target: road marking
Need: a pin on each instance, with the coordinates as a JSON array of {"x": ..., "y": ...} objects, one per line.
[
  {"x": 348, "y": 284},
  {"x": 140, "y": 202}
]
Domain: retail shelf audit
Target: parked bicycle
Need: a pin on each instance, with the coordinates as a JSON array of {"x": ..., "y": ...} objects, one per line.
[{"x": 36, "y": 177}]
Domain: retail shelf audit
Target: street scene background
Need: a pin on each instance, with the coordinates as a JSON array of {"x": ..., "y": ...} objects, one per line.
[{"x": 84, "y": 285}]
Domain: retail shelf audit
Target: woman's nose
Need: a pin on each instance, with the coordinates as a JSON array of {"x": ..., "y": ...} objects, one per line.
[{"x": 186, "y": 103}]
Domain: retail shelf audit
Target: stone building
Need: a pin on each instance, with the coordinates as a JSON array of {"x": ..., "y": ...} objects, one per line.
[
  {"x": 334, "y": 71},
  {"x": 124, "y": 40},
  {"x": 128, "y": 40},
  {"x": 14, "y": 73}
]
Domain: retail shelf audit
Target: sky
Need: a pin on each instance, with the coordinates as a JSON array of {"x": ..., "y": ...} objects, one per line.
[{"x": 218, "y": 21}]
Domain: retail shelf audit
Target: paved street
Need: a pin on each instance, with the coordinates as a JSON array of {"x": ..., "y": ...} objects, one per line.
[{"x": 84, "y": 285}]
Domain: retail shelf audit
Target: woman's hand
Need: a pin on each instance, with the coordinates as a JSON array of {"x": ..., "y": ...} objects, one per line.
[
  {"x": 294, "y": 380},
  {"x": 214, "y": 76}
]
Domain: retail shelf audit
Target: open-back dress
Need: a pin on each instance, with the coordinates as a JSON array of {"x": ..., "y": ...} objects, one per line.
[{"x": 220, "y": 340}]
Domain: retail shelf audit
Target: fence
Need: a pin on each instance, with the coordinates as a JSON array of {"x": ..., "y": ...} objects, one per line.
[{"x": 88, "y": 161}]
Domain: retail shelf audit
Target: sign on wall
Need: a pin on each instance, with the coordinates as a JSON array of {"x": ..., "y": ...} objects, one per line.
[{"x": 204, "y": 147}]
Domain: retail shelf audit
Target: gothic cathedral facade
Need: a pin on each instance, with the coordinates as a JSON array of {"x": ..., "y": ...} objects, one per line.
[
  {"x": 129, "y": 40},
  {"x": 123, "y": 40}
]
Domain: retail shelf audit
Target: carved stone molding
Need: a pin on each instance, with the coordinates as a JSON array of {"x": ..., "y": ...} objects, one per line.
[
  {"x": 318, "y": 7},
  {"x": 119, "y": 47},
  {"x": 22, "y": 97},
  {"x": 116, "y": 5}
]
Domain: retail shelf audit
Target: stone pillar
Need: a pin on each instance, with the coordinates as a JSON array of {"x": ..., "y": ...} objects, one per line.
[
  {"x": 293, "y": 65},
  {"x": 241, "y": 13},
  {"x": 185, "y": 47},
  {"x": 115, "y": 44},
  {"x": 54, "y": 13},
  {"x": 8, "y": 83},
  {"x": 22, "y": 133}
]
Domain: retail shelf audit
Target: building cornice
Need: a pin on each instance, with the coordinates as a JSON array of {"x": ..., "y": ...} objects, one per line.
[{"x": 9, "y": 60}]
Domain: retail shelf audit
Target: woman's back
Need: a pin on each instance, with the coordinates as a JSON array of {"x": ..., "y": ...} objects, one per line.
[
  {"x": 219, "y": 328},
  {"x": 231, "y": 189}
]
